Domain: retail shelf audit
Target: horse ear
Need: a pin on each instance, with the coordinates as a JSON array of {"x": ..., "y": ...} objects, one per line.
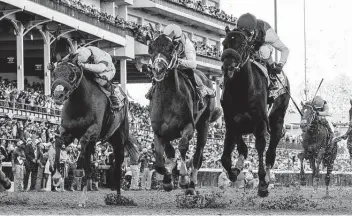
[
  {"x": 58, "y": 57},
  {"x": 302, "y": 104},
  {"x": 351, "y": 102},
  {"x": 227, "y": 30}
]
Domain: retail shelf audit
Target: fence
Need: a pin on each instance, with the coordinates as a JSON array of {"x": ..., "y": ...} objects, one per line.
[{"x": 25, "y": 111}]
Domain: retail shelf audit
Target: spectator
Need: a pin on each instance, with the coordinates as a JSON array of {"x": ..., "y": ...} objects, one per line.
[
  {"x": 18, "y": 160},
  {"x": 31, "y": 165},
  {"x": 147, "y": 163},
  {"x": 223, "y": 180},
  {"x": 41, "y": 163}
]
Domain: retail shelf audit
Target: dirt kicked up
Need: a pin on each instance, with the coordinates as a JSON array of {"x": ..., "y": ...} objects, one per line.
[{"x": 280, "y": 201}]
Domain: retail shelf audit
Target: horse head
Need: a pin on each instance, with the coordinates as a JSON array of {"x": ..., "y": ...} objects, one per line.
[
  {"x": 66, "y": 77},
  {"x": 161, "y": 50},
  {"x": 308, "y": 116},
  {"x": 236, "y": 53}
]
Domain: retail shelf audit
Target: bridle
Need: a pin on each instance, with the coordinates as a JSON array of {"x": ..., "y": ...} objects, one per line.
[
  {"x": 308, "y": 124},
  {"x": 74, "y": 83},
  {"x": 246, "y": 53}
]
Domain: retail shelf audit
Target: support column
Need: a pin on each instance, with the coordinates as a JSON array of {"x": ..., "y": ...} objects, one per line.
[
  {"x": 123, "y": 74},
  {"x": 20, "y": 57},
  {"x": 217, "y": 99},
  {"x": 47, "y": 73}
]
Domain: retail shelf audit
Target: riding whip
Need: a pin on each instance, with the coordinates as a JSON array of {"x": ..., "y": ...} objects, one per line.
[
  {"x": 288, "y": 92},
  {"x": 317, "y": 89}
]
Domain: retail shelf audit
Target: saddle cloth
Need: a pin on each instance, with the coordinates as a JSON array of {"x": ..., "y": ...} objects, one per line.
[
  {"x": 281, "y": 90},
  {"x": 111, "y": 118}
]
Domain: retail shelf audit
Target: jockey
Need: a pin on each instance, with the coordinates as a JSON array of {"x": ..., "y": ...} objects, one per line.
[
  {"x": 322, "y": 109},
  {"x": 263, "y": 38},
  {"x": 95, "y": 60},
  {"x": 186, "y": 62}
]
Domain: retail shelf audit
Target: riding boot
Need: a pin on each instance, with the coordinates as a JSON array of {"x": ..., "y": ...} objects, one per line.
[
  {"x": 201, "y": 92},
  {"x": 115, "y": 102},
  {"x": 150, "y": 92}
]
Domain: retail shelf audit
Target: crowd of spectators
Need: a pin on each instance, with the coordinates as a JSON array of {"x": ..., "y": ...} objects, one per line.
[
  {"x": 31, "y": 98},
  {"x": 212, "y": 11},
  {"x": 287, "y": 151},
  {"x": 143, "y": 33}
]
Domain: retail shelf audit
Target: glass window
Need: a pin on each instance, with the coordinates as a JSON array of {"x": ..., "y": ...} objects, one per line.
[
  {"x": 197, "y": 38},
  {"x": 212, "y": 43},
  {"x": 212, "y": 4},
  {"x": 134, "y": 19},
  {"x": 147, "y": 22}
]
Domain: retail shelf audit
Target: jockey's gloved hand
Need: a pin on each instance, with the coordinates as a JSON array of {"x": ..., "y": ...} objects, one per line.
[
  {"x": 278, "y": 68},
  {"x": 80, "y": 63},
  {"x": 51, "y": 66}
]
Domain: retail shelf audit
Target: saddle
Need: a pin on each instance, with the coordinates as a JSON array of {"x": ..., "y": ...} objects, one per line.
[
  {"x": 112, "y": 118},
  {"x": 282, "y": 79}
]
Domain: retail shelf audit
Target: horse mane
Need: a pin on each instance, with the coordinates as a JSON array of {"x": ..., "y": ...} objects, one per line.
[{"x": 161, "y": 44}]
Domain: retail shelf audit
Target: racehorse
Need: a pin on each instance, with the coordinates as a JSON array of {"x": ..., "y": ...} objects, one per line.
[
  {"x": 173, "y": 115},
  {"x": 347, "y": 135},
  {"x": 244, "y": 102},
  {"x": 86, "y": 116},
  {"x": 317, "y": 146}
]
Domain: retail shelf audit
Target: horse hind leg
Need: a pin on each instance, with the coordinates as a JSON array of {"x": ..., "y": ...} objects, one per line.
[
  {"x": 327, "y": 177},
  {"x": 260, "y": 143},
  {"x": 183, "y": 146},
  {"x": 202, "y": 134},
  {"x": 276, "y": 125}
]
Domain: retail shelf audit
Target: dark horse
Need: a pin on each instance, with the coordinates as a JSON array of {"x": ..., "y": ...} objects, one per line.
[
  {"x": 172, "y": 115},
  {"x": 86, "y": 116},
  {"x": 317, "y": 145},
  {"x": 244, "y": 103},
  {"x": 347, "y": 135}
]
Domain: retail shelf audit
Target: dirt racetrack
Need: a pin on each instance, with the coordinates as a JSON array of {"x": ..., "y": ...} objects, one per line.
[{"x": 160, "y": 202}]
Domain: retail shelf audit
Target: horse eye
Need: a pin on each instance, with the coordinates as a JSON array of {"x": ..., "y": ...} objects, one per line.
[{"x": 72, "y": 76}]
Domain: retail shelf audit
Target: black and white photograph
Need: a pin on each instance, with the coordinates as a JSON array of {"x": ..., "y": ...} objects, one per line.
[{"x": 175, "y": 107}]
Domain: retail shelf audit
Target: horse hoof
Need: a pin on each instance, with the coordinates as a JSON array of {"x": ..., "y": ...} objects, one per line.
[
  {"x": 233, "y": 177},
  {"x": 184, "y": 182},
  {"x": 217, "y": 113},
  {"x": 167, "y": 187},
  {"x": 190, "y": 191},
  {"x": 263, "y": 193},
  {"x": 82, "y": 205}
]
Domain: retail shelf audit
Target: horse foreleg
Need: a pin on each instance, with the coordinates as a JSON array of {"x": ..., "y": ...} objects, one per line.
[
  {"x": 183, "y": 145},
  {"x": 161, "y": 167},
  {"x": 65, "y": 139},
  {"x": 243, "y": 153},
  {"x": 317, "y": 169},
  {"x": 260, "y": 143},
  {"x": 327, "y": 177},
  {"x": 87, "y": 142},
  {"x": 301, "y": 157},
  {"x": 226, "y": 159},
  {"x": 202, "y": 134},
  {"x": 117, "y": 141}
]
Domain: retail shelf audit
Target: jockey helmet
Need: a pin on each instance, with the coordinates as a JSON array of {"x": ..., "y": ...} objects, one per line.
[
  {"x": 173, "y": 31},
  {"x": 318, "y": 102},
  {"x": 84, "y": 54},
  {"x": 247, "y": 22}
]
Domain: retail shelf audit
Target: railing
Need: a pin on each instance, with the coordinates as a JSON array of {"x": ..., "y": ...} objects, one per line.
[
  {"x": 85, "y": 17},
  {"x": 193, "y": 12},
  {"x": 23, "y": 111},
  {"x": 209, "y": 59}
]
